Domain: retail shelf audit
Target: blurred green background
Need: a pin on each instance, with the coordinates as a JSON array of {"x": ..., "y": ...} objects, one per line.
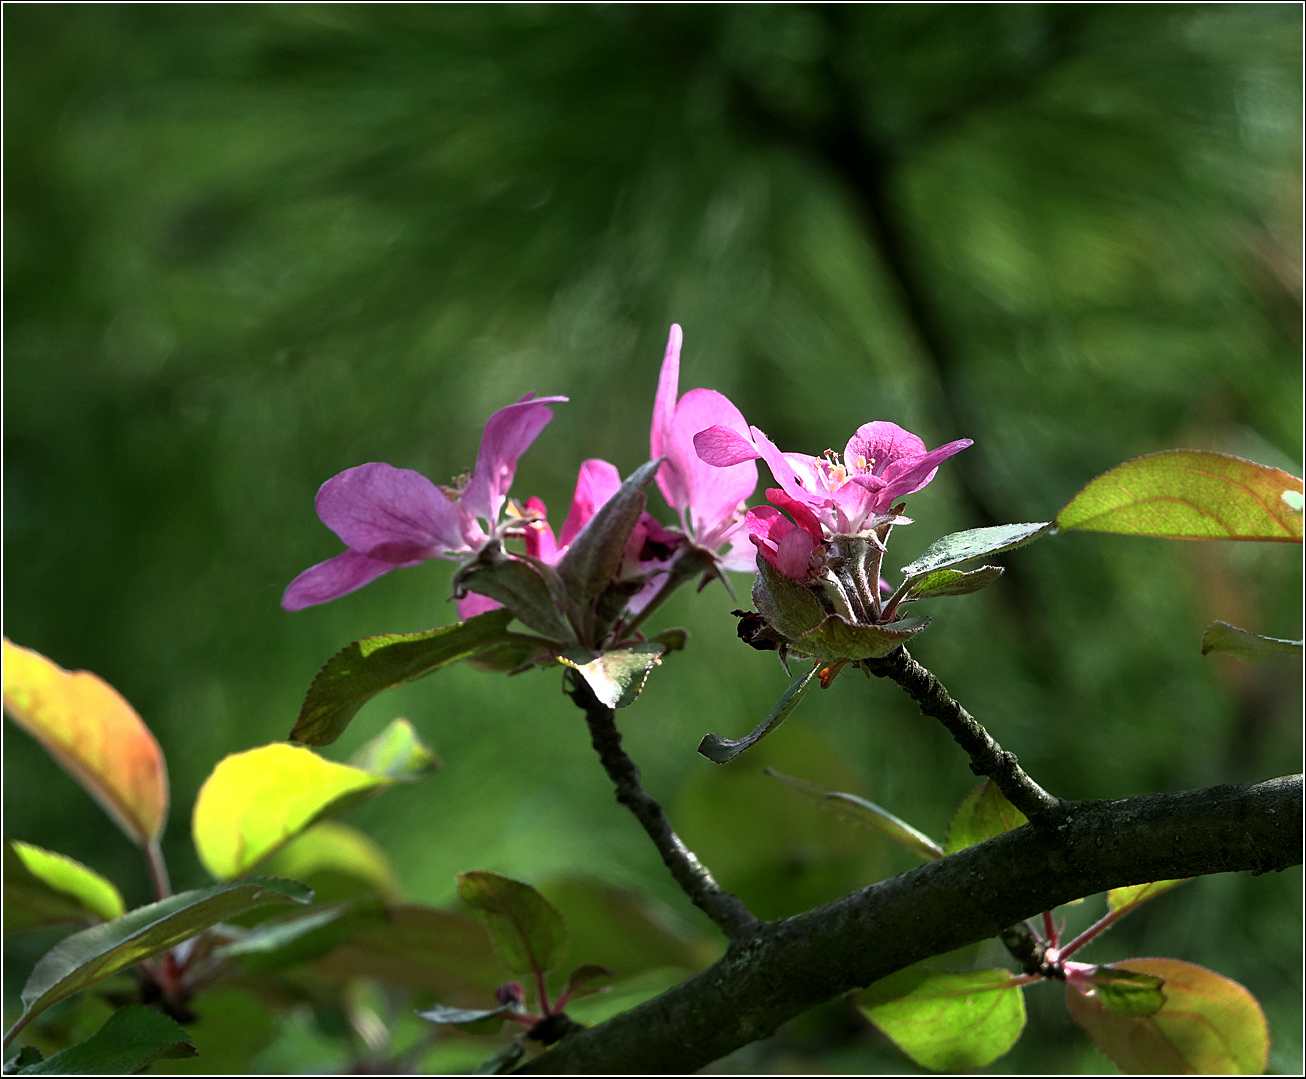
[{"x": 247, "y": 247}]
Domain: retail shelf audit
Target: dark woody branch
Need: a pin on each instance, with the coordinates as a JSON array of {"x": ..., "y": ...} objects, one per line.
[
  {"x": 733, "y": 918},
  {"x": 790, "y": 965}
]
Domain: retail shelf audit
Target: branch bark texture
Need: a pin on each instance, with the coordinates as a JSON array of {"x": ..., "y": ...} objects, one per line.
[
  {"x": 726, "y": 910},
  {"x": 792, "y": 964}
]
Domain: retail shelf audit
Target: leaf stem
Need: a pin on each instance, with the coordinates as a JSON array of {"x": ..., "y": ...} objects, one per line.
[
  {"x": 987, "y": 758},
  {"x": 1050, "y": 929},
  {"x": 730, "y": 915},
  {"x": 158, "y": 869},
  {"x": 1100, "y": 926}
]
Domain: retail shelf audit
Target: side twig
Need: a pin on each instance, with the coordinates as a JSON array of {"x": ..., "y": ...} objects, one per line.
[
  {"x": 987, "y": 758},
  {"x": 733, "y": 918}
]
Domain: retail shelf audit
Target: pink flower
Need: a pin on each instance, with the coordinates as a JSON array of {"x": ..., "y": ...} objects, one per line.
[
  {"x": 880, "y": 464},
  {"x": 391, "y": 517},
  {"x": 708, "y": 499}
]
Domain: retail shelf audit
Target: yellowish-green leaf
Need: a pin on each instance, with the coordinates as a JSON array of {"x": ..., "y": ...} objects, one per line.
[
  {"x": 254, "y": 802},
  {"x": 338, "y": 862},
  {"x": 45, "y": 888},
  {"x": 1244, "y": 644},
  {"x": 948, "y": 1022},
  {"x": 396, "y": 753},
  {"x": 1123, "y": 900},
  {"x": 527, "y": 929},
  {"x": 1208, "y": 1025},
  {"x": 618, "y": 676},
  {"x": 98, "y": 738},
  {"x": 1189, "y": 494},
  {"x": 1125, "y": 992},
  {"x": 983, "y": 814}
]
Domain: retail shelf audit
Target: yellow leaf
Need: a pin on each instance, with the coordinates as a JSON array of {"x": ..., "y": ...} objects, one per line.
[
  {"x": 256, "y": 801},
  {"x": 98, "y": 738},
  {"x": 332, "y": 849}
]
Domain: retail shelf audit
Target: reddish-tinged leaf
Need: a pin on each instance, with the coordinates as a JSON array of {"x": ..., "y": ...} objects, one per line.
[
  {"x": 1190, "y": 494},
  {"x": 98, "y": 738},
  {"x": 527, "y": 929},
  {"x": 1208, "y": 1024}
]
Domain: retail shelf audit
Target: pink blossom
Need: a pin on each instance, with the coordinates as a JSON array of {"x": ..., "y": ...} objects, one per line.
[
  {"x": 391, "y": 517},
  {"x": 708, "y": 499}
]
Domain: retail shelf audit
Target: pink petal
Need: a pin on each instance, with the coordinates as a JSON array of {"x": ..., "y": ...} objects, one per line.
[
  {"x": 508, "y": 434},
  {"x": 782, "y": 468},
  {"x": 539, "y": 536},
  {"x": 335, "y": 577},
  {"x": 803, "y": 517},
  {"x": 393, "y": 514},
  {"x": 906, "y": 476},
  {"x": 664, "y": 408},
  {"x": 764, "y": 548},
  {"x": 712, "y": 494},
  {"x": 793, "y": 554},
  {"x": 881, "y": 443},
  {"x": 721, "y": 447},
  {"x": 769, "y": 524},
  {"x": 741, "y": 557},
  {"x": 597, "y": 482},
  {"x": 473, "y": 604}
]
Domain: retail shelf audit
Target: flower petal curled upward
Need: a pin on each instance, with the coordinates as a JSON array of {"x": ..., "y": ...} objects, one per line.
[
  {"x": 392, "y": 514},
  {"x": 783, "y": 544},
  {"x": 508, "y": 434},
  {"x": 335, "y": 577}
]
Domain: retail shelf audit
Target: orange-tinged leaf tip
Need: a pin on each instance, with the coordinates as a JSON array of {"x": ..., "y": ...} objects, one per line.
[{"x": 97, "y": 737}]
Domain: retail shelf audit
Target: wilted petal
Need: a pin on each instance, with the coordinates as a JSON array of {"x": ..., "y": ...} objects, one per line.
[
  {"x": 597, "y": 482},
  {"x": 508, "y": 434},
  {"x": 664, "y": 408},
  {"x": 335, "y": 577},
  {"x": 712, "y": 494},
  {"x": 473, "y": 604},
  {"x": 906, "y": 476},
  {"x": 881, "y": 443},
  {"x": 392, "y": 514}
]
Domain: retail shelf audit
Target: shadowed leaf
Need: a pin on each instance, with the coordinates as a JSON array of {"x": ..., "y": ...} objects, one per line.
[
  {"x": 616, "y": 677},
  {"x": 1189, "y": 494},
  {"x": 947, "y": 1022},
  {"x": 1244, "y": 644},
  {"x": 45, "y": 888},
  {"x": 953, "y": 582},
  {"x": 983, "y": 814},
  {"x": 1208, "y": 1024},
  {"x": 836, "y": 639},
  {"x": 516, "y": 584},
  {"x": 131, "y": 1039},
  {"x": 720, "y": 750},
  {"x": 359, "y": 671},
  {"x": 95, "y": 735},
  {"x": 788, "y": 606},
  {"x": 331, "y": 858},
  {"x": 273, "y": 946},
  {"x": 973, "y": 543},
  {"x": 527, "y": 929}
]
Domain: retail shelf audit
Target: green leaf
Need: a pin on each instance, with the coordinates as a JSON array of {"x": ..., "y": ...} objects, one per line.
[
  {"x": 973, "y": 543},
  {"x": 359, "y": 671},
  {"x": 273, "y": 946},
  {"x": 1244, "y": 644},
  {"x": 131, "y": 1040},
  {"x": 422, "y": 948},
  {"x": 1126, "y": 992},
  {"x": 1123, "y": 900},
  {"x": 671, "y": 640},
  {"x": 514, "y": 653},
  {"x": 255, "y": 801},
  {"x": 23, "y": 1059},
  {"x": 86, "y": 957},
  {"x": 1189, "y": 494},
  {"x": 720, "y": 750},
  {"x": 1208, "y": 1024},
  {"x": 502, "y": 1062},
  {"x": 860, "y": 811},
  {"x": 527, "y": 929},
  {"x": 594, "y": 556},
  {"x": 948, "y": 1022},
  {"x": 396, "y": 753},
  {"x": 983, "y": 814},
  {"x": 477, "y": 1022},
  {"x": 338, "y": 862},
  {"x": 626, "y": 994},
  {"x": 953, "y": 582},
  {"x": 45, "y": 888},
  {"x": 789, "y": 607},
  {"x": 587, "y": 972},
  {"x": 519, "y": 586},
  {"x": 616, "y": 677},
  {"x": 836, "y": 638}
]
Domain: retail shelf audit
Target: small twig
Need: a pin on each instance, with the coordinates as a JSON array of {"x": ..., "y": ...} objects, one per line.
[
  {"x": 733, "y": 918},
  {"x": 987, "y": 758}
]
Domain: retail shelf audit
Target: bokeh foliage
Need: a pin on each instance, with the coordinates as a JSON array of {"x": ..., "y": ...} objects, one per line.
[{"x": 249, "y": 246}]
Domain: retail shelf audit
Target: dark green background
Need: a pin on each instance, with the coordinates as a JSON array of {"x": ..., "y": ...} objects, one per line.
[{"x": 247, "y": 247}]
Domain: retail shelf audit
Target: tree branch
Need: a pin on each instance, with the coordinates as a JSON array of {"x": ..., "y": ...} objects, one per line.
[
  {"x": 789, "y": 965},
  {"x": 987, "y": 758},
  {"x": 733, "y": 918}
]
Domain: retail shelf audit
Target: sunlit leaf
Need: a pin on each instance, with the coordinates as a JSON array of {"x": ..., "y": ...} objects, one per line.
[
  {"x": 527, "y": 929},
  {"x": 836, "y": 638},
  {"x": 98, "y": 738},
  {"x": 973, "y": 543},
  {"x": 86, "y": 957},
  {"x": 1209, "y": 1024},
  {"x": 947, "y": 1022},
  {"x": 953, "y": 582},
  {"x": 131, "y": 1039},
  {"x": 255, "y": 801},
  {"x": 618, "y": 676},
  {"x": 720, "y": 750},
  {"x": 337, "y": 861},
  {"x": 359, "y": 671},
  {"x": 272, "y": 946},
  {"x": 396, "y": 753},
  {"x": 1244, "y": 644},
  {"x": 1126, "y": 992},
  {"x": 1188, "y": 494},
  {"x": 983, "y": 814},
  {"x": 1123, "y": 900},
  {"x": 861, "y": 811},
  {"x": 45, "y": 888}
]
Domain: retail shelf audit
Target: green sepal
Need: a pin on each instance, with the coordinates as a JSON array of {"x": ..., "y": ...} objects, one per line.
[
  {"x": 789, "y": 607},
  {"x": 519, "y": 586},
  {"x": 836, "y": 638}
]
